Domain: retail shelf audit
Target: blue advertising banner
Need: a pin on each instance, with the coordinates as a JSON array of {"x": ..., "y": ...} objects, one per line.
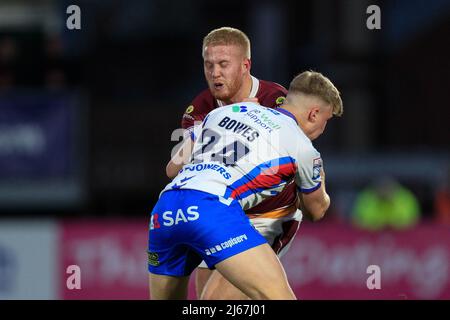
[
  {"x": 36, "y": 136},
  {"x": 39, "y": 145}
]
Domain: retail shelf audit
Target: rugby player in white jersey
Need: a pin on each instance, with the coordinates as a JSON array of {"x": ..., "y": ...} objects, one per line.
[{"x": 244, "y": 154}]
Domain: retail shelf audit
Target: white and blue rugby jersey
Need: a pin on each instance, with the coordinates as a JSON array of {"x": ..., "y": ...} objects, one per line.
[{"x": 248, "y": 152}]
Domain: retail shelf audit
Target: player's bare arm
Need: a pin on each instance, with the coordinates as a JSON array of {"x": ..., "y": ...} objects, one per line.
[
  {"x": 315, "y": 204},
  {"x": 180, "y": 158}
]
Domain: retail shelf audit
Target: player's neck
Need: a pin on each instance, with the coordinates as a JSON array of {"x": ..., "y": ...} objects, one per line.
[
  {"x": 292, "y": 110},
  {"x": 301, "y": 121},
  {"x": 244, "y": 90}
]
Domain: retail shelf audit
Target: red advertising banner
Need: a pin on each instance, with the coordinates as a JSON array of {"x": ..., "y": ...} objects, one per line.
[
  {"x": 329, "y": 261},
  {"x": 112, "y": 256},
  {"x": 326, "y": 261}
]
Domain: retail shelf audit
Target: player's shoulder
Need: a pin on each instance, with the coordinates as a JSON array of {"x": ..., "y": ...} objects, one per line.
[
  {"x": 295, "y": 137},
  {"x": 204, "y": 96},
  {"x": 271, "y": 94},
  {"x": 306, "y": 146},
  {"x": 199, "y": 107},
  {"x": 203, "y": 102},
  {"x": 270, "y": 86}
]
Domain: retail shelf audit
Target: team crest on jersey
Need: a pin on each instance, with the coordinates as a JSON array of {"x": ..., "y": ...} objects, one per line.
[
  {"x": 317, "y": 166},
  {"x": 280, "y": 100},
  {"x": 189, "y": 109}
]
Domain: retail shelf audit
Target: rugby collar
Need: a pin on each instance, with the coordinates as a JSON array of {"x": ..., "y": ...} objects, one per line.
[{"x": 287, "y": 113}]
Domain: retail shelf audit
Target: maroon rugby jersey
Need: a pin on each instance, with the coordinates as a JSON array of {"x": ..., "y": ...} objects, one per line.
[{"x": 270, "y": 95}]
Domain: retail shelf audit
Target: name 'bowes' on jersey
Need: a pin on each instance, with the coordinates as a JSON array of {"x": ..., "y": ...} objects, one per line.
[{"x": 247, "y": 152}]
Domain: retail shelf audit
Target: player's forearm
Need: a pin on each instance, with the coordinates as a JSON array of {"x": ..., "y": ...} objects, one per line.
[
  {"x": 315, "y": 209},
  {"x": 180, "y": 158},
  {"x": 320, "y": 207},
  {"x": 172, "y": 169},
  {"x": 176, "y": 164}
]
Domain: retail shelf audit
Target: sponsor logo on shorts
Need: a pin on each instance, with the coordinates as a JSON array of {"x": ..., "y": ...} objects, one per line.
[
  {"x": 153, "y": 259},
  {"x": 170, "y": 218},
  {"x": 154, "y": 224},
  {"x": 226, "y": 244}
]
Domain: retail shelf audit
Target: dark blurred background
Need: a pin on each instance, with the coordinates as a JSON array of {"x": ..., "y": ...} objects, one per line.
[{"x": 87, "y": 115}]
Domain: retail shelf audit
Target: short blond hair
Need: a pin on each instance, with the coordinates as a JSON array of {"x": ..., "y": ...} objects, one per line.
[
  {"x": 228, "y": 36},
  {"x": 316, "y": 84}
]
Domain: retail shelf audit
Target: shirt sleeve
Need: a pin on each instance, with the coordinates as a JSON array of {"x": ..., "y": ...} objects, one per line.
[
  {"x": 192, "y": 118},
  {"x": 309, "y": 166},
  {"x": 189, "y": 118},
  {"x": 197, "y": 110},
  {"x": 275, "y": 97}
]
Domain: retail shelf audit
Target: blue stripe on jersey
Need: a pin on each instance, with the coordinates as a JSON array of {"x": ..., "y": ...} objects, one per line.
[
  {"x": 287, "y": 113},
  {"x": 256, "y": 172},
  {"x": 204, "y": 121},
  {"x": 310, "y": 189}
]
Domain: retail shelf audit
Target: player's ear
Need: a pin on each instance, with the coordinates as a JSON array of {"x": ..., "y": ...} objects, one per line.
[
  {"x": 313, "y": 113},
  {"x": 247, "y": 64}
]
